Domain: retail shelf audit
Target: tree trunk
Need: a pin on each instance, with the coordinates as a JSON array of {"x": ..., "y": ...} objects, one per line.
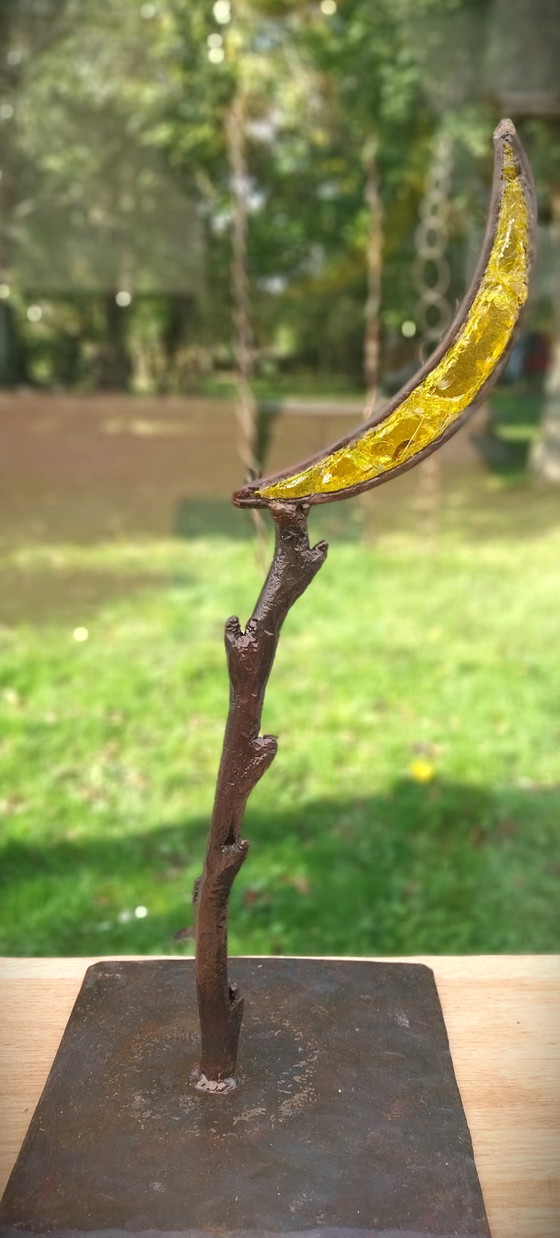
[
  {"x": 114, "y": 362},
  {"x": 177, "y": 317},
  {"x": 372, "y": 335},
  {"x": 545, "y": 456},
  {"x": 246, "y": 756},
  {"x": 246, "y": 405},
  {"x": 374, "y": 255},
  {"x": 14, "y": 371}
]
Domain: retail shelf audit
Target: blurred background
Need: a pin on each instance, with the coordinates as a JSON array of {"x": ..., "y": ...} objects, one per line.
[{"x": 225, "y": 230}]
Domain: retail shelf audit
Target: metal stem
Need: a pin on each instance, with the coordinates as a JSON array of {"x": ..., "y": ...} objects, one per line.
[{"x": 246, "y": 756}]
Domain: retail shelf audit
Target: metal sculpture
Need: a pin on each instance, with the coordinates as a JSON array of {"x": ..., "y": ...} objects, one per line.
[
  {"x": 459, "y": 374},
  {"x": 421, "y": 417}
]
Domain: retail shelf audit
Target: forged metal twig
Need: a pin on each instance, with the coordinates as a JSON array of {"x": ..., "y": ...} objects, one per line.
[{"x": 246, "y": 756}]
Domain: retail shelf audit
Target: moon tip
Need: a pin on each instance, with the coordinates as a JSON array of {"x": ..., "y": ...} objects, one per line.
[
  {"x": 247, "y": 497},
  {"x": 505, "y": 129}
]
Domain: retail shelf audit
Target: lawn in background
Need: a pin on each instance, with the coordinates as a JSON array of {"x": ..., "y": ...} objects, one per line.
[{"x": 414, "y": 805}]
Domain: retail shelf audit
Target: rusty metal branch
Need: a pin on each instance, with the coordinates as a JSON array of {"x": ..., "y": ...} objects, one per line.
[{"x": 246, "y": 756}]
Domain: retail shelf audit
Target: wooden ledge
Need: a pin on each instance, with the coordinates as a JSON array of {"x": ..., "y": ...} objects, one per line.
[{"x": 503, "y": 1020}]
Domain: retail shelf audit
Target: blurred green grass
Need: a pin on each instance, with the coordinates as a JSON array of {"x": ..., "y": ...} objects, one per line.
[{"x": 414, "y": 805}]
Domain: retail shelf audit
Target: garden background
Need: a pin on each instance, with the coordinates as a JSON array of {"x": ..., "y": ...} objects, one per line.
[{"x": 224, "y": 229}]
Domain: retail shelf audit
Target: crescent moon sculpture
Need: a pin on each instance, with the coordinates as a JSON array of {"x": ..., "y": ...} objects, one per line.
[
  {"x": 458, "y": 375},
  {"x": 425, "y": 413}
]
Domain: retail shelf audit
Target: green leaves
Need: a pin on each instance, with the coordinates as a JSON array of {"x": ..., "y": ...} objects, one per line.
[{"x": 115, "y": 171}]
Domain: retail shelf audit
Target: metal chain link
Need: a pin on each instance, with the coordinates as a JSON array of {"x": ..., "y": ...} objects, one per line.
[
  {"x": 431, "y": 277},
  {"x": 431, "y": 274}
]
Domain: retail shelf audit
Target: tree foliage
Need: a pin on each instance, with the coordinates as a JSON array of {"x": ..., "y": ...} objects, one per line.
[{"x": 115, "y": 177}]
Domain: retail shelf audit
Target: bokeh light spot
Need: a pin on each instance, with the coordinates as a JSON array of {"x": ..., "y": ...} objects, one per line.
[{"x": 222, "y": 12}]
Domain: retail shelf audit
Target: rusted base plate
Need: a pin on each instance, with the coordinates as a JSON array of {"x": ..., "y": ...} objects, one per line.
[{"x": 347, "y": 1122}]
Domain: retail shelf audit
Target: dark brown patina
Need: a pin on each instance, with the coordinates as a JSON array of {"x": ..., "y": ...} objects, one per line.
[{"x": 246, "y": 756}]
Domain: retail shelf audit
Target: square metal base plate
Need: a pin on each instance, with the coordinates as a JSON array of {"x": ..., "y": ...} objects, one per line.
[{"x": 347, "y": 1122}]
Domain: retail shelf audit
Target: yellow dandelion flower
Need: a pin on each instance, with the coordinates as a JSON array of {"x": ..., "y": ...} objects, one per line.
[{"x": 421, "y": 770}]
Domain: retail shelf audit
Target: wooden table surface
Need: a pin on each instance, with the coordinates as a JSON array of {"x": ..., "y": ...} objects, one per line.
[{"x": 503, "y": 1020}]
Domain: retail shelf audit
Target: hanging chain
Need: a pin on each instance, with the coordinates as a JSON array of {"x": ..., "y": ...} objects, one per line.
[{"x": 431, "y": 276}]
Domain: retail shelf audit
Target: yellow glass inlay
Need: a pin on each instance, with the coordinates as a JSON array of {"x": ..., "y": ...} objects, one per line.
[{"x": 455, "y": 381}]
